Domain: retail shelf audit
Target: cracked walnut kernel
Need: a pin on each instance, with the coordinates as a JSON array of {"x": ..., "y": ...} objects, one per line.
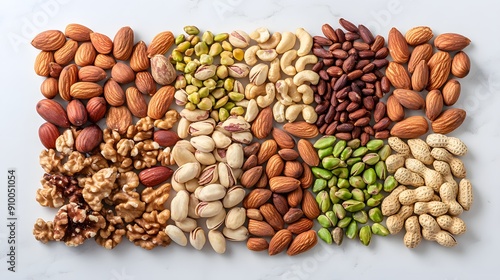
[
  {"x": 65, "y": 143},
  {"x": 171, "y": 117},
  {"x": 50, "y": 160},
  {"x": 148, "y": 232},
  {"x": 98, "y": 187},
  {"x": 43, "y": 231},
  {"x": 112, "y": 234},
  {"x": 128, "y": 205},
  {"x": 155, "y": 198}
]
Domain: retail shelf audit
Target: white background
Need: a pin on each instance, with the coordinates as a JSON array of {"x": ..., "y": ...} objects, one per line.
[{"x": 476, "y": 255}]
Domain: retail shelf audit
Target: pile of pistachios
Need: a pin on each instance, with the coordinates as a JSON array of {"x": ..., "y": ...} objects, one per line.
[{"x": 349, "y": 186}]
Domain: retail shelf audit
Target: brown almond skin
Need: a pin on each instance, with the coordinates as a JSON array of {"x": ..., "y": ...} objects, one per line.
[
  {"x": 282, "y": 184},
  {"x": 136, "y": 102},
  {"x": 68, "y": 76},
  {"x": 398, "y": 76},
  {"x": 257, "y": 244},
  {"x": 451, "y": 42},
  {"x": 310, "y": 206},
  {"x": 395, "y": 111},
  {"x": 307, "y": 152},
  {"x": 301, "y": 129},
  {"x": 448, "y": 121},
  {"x": 420, "y": 77},
  {"x": 434, "y": 104},
  {"x": 307, "y": 178},
  {"x": 139, "y": 60},
  {"x": 52, "y": 112},
  {"x": 283, "y": 139},
  {"x": 302, "y": 243},
  {"x": 411, "y": 127},
  {"x": 409, "y": 99},
  {"x": 250, "y": 177},
  {"x": 122, "y": 73},
  {"x": 267, "y": 149},
  {"x": 272, "y": 216},
  {"x": 42, "y": 61},
  {"x": 101, "y": 42},
  {"x": 263, "y": 123},
  {"x": 123, "y": 43},
  {"x": 49, "y": 40},
  {"x": 460, "y": 65},
  {"x": 295, "y": 197},
  {"x": 439, "y": 70},
  {"x": 165, "y": 138},
  {"x": 85, "y": 54},
  {"x": 48, "y": 134},
  {"x": 280, "y": 242},
  {"x": 96, "y": 109},
  {"x": 451, "y": 92},
  {"x": 280, "y": 202},
  {"x": 274, "y": 166},
  {"x": 256, "y": 198},
  {"x": 420, "y": 52},
  {"x": 153, "y": 176},
  {"x": 160, "y": 43},
  {"x": 260, "y": 228},
  {"x": 119, "y": 119},
  {"x": 300, "y": 226},
  {"x": 160, "y": 102},
  {"x": 398, "y": 46},
  {"x": 78, "y": 32},
  {"x": 49, "y": 88},
  {"x": 113, "y": 92},
  {"x": 77, "y": 114},
  {"x": 66, "y": 53},
  {"x": 88, "y": 139}
]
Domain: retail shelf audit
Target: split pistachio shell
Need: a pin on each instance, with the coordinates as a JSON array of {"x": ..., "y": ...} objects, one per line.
[
  {"x": 194, "y": 115},
  {"x": 217, "y": 241},
  {"x": 244, "y": 137},
  {"x": 187, "y": 225},
  {"x": 210, "y": 192},
  {"x": 234, "y": 196},
  {"x": 209, "y": 175},
  {"x": 203, "y": 143},
  {"x": 208, "y": 209},
  {"x": 187, "y": 172},
  {"x": 176, "y": 234},
  {"x": 216, "y": 221},
  {"x": 205, "y": 127},
  {"x": 239, "y": 234},
  {"x": 197, "y": 238},
  {"x": 221, "y": 140},
  {"x": 182, "y": 155}
]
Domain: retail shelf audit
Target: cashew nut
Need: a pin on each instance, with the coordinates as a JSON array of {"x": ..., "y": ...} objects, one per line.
[
  {"x": 306, "y": 41},
  {"x": 292, "y": 90},
  {"x": 260, "y": 35},
  {"x": 307, "y": 94},
  {"x": 279, "y": 112},
  {"x": 250, "y": 55},
  {"x": 267, "y": 55},
  {"x": 309, "y": 114},
  {"x": 252, "y": 110},
  {"x": 293, "y": 111},
  {"x": 242, "y": 103},
  {"x": 286, "y": 43},
  {"x": 282, "y": 93},
  {"x": 286, "y": 62},
  {"x": 306, "y": 76},
  {"x": 302, "y": 61},
  {"x": 274, "y": 73},
  {"x": 252, "y": 91},
  {"x": 272, "y": 42},
  {"x": 265, "y": 100}
]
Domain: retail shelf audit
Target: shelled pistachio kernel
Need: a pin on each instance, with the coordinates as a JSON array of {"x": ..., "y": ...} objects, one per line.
[
  {"x": 353, "y": 176},
  {"x": 207, "y": 83}
]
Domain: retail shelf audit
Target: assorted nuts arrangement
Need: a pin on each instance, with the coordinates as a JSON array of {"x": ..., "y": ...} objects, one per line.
[{"x": 112, "y": 139}]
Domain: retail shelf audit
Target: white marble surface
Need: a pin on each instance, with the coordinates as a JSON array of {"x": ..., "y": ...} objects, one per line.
[{"x": 386, "y": 258}]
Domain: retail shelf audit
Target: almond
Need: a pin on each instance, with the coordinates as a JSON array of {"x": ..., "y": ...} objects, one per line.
[
  {"x": 139, "y": 60},
  {"x": 122, "y": 73},
  {"x": 165, "y": 138},
  {"x": 49, "y": 40},
  {"x": 66, "y": 53},
  {"x": 123, "y": 43},
  {"x": 101, "y": 43},
  {"x": 451, "y": 92},
  {"x": 280, "y": 241},
  {"x": 280, "y": 202},
  {"x": 250, "y": 162},
  {"x": 77, "y": 114},
  {"x": 302, "y": 242},
  {"x": 154, "y": 176},
  {"x": 307, "y": 152},
  {"x": 54, "y": 69},
  {"x": 251, "y": 149},
  {"x": 114, "y": 94},
  {"x": 398, "y": 47},
  {"x": 49, "y": 88},
  {"x": 96, "y": 109},
  {"x": 274, "y": 166},
  {"x": 293, "y": 215},
  {"x": 397, "y": 75},
  {"x": 104, "y": 61},
  {"x": 145, "y": 83},
  {"x": 310, "y": 206},
  {"x": 119, "y": 119},
  {"x": 85, "y": 54},
  {"x": 307, "y": 177},
  {"x": 263, "y": 181},
  {"x": 301, "y": 129},
  {"x": 282, "y": 184},
  {"x": 257, "y": 244},
  {"x": 448, "y": 121},
  {"x": 160, "y": 43},
  {"x": 42, "y": 61},
  {"x": 288, "y": 154},
  {"x": 439, "y": 70},
  {"x": 263, "y": 123},
  {"x": 88, "y": 139},
  {"x": 160, "y": 102},
  {"x": 418, "y": 35},
  {"x": 256, "y": 198},
  {"x": 77, "y": 32},
  {"x": 420, "y": 77},
  {"x": 260, "y": 228},
  {"x": 283, "y": 139},
  {"x": 451, "y": 42},
  {"x": 52, "y": 112},
  {"x": 68, "y": 76},
  {"x": 48, "y": 134},
  {"x": 85, "y": 90},
  {"x": 409, "y": 99},
  {"x": 91, "y": 74},
  {"x": 411, "y": 127},
  {"x": 433, "y": 104},
  {"x": 272, "y": 216},
  {"x": 250, "y": 177},
  {"x": 460, "y": 65},
  {"x": 294, "y": 198},
  {"x": 136, "y": 102},
  {"x": 395, "y": 110},
  {"x": 300, "y": 226},
  {"x": 293, "y": 169},
  {"x": 420, "y": 52},
  {"x": 267, "y": 149}
]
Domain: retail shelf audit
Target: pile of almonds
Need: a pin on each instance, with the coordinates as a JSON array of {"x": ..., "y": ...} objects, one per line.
[{"x": 112, "y": 99}]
